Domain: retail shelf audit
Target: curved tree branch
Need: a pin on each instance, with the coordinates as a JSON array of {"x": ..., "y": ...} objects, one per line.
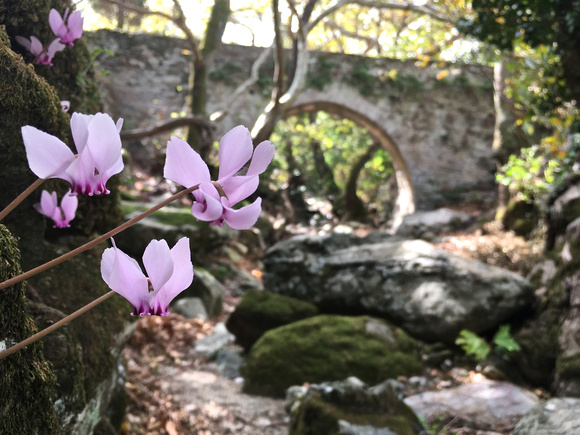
[
  {"x": 196, "y": 121},
  {"x": 425, "y": 10}
]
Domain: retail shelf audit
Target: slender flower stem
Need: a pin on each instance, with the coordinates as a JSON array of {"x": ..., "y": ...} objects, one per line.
[
  {"x": 55, "y": 326},
  {"x": 94, "y": 242},
  {"x": 21, "y": 198}
]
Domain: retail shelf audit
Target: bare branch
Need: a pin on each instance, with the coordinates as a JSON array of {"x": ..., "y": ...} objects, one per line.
[
  {"x": 297, "y": 15},
  {"x": 278, "y": 44},
  {"x": 255, "y": 74},
  {"x": 178, "y": 21},
  {"x": 425, "y": 10},
  {"x": 195, "y": 121},
  {"x": 371, "y": 42}
]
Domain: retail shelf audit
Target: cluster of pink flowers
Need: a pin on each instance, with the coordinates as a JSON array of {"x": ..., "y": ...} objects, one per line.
[
  {"x": 66, "y": 31},
  {"x": 97, "y": 140}
]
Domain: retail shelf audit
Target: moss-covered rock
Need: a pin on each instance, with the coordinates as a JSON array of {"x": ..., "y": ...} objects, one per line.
[
  {"x": 327, "y": 348},
  {"x": 520, "y": 216},
  {"x": 260, "y": 311},
  {"x": 27, "y": 382},
  {"x": 349, "y": 407}
]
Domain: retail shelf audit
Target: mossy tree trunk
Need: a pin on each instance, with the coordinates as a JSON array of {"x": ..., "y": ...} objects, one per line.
[
  {"x": 31, "y": 101},
  {"x": 27, "y": 384},
  {"x": 31, "y": 95}
]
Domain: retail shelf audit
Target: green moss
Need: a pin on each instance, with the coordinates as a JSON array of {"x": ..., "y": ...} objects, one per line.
[
  {"x": 167, "y": 215},
  {"x": 327, "y": 348},
  {"x": 71, "y": 285},
  {"x": 321, "y": 74},
  {"x": 315, "y": 415},
  {"x": 520, "y": 216},
  {"x": 361, "y": 78},
  {"x": 26, "y": 381},
  {"x": 260, "y": 311},
  {"x": 568, "y": 366},
  {"x": 36, "y": 102}
]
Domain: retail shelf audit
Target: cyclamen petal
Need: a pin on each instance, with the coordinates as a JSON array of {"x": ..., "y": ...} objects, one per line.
[
  {"x": 158, "y": 263},
  {"x": 62, "y": 215},
  {"x": 48, "y": 156},
  {"x": 235, "y": 151},
  {"x": 67, "y": 32},
  {"x": 185, "y": 166},
  {"x": 98, "y": 143},
  {"x": 244, "y": 217},
  {"x": 179, "y": 281},
  {"x": 207, "y": 206},
  {"x": 170, "y": 269}
]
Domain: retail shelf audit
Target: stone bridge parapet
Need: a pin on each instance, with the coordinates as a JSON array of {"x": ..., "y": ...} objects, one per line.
[{"x": 437, "y": 130}]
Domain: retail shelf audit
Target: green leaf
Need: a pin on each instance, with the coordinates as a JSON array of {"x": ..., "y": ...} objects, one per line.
[
  {"x": 473, "y": 344},
  {"x": 504, "y": 340}
]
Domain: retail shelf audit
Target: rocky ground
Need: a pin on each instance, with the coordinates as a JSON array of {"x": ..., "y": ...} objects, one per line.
[{"x": 174, "y": 390}]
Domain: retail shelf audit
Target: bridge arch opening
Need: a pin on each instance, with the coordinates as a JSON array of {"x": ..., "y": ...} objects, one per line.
[{"x": 404, "y": 202}]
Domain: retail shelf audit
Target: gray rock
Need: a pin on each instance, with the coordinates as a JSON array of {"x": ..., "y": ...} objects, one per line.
[
  {"x": 190, "y": 308},
  {"x": 347, "y": 428},
  {"x": 208, "y": 289},
  {"x": 428, "y": 224},
  {"x": 556, "y": 416},
  {"x": 428, "y": 292},
  {"x": 229, "y": 363},
  {"x": 353, "y": 400},
  {"x": 486, "y": 405},
  {"x": 212, "y": 344}
]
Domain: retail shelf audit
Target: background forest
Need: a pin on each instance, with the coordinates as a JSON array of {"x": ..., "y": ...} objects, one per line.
[
  {"x": 480, "y": 288},
  {"x": 529, "y": 44}
]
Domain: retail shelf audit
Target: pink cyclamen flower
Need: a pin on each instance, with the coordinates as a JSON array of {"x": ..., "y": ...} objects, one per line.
[
  {"x": 68, "y": 32},
  {"x": 98, "y": 143},
  {"x": 35, "y": 47},
  {"x": 65, "y": 105},
  {"x": 186, "y": 167},
  {"x": 170, "y": 272},
  {"x": 62, "y": 215}
]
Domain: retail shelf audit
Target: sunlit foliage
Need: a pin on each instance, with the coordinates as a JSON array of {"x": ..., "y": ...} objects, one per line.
[{"x": 342, "y": 143}]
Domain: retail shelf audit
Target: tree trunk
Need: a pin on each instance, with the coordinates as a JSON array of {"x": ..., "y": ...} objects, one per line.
[
  {"x": 354, "y": 209},
  {"x": 202, "y": 143},
  {"x": 293, "y": 197}
]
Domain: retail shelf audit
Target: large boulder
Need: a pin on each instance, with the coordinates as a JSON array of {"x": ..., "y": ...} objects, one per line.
[
  {"x": 428, "y": 224},
  {"x": 484, "y": 405},
  {"x": 429, "y": 292},
  {"x": 350, "y": 407},
  {"x": 555, "y": 416},
  {"x": 328, "y": 348},
  {"x": 259, "y": 311},
  {"x": 550, "y": 340}
]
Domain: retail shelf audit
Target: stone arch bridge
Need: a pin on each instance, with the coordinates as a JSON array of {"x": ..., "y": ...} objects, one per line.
[{"x": 438, "y": 130}]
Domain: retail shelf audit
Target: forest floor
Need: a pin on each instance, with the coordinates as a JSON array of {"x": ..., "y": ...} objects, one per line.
[{"x": 173, "y": 390}]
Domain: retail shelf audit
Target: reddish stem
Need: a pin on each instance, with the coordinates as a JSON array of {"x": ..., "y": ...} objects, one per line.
[
  {"x": 20, "y": 198},
  {"x": 94, "y": 242},
  {"x": 55, "y": 326}
]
